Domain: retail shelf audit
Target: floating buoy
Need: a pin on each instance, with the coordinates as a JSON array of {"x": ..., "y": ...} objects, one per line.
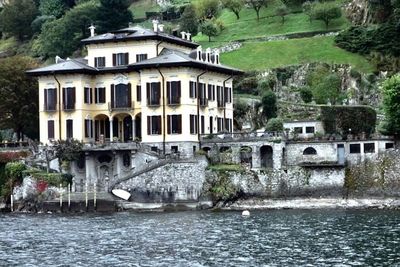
[{"x": 246, "y": 213}]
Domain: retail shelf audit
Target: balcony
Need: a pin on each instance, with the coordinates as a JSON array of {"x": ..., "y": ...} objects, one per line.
[{"x": 121, "y": 106}]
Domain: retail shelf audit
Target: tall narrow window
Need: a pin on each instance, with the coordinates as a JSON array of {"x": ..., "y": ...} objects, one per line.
[
  {"x": 87, "y": 98},
  {"x": 220, "y": 96},
  {"x": 50, "y": 99},
  {"x": 69, "y": 98},
  {"x": 138, "y": 93},
  {"x": 192, "y": 90},
  {"x": 153, "y": 92},
  {"x": 220, "y": 122},
  {"x": 89, "y": 128},
  {"x": 210, "y": 92},
  {"x": 100, "y": 95},
  {"x": 193, "y": 124},
  {"x": 70, "y": 129},
  {"x": 121, "y": 96},
  {"x": 174, "y": 92},
  {"x": 202, "y": 123},
  {"x": 99, "y": 62},
  {"x": 153, "y": 125},
  {"x": 50, "y": 129},
  {"x": 211, "y": 125},
  {"x": 174, "y": 124},
  {"x": 141, "y": 57},
  {"x": 202, "y": 94},
  {"x": 120, "y": 59}
]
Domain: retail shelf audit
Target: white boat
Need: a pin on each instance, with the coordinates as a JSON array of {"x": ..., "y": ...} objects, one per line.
[{"x": 125, "y": 195}]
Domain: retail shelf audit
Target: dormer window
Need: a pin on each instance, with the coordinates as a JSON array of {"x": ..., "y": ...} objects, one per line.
[
  {"x": 141, "y": 57},
  {"x": 120, "y": 59},
  {"x": 99, "y": 62}
]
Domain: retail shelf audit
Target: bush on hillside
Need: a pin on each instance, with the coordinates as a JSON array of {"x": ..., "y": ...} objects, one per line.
[
  {"x": 269, "y": 105},
  {"x": 274, "y": 125},
  {"x": 306, "y": 94}
]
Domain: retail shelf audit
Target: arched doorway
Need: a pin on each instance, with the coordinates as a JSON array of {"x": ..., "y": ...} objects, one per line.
[
  {"x": 138, "y": 126},
  {"x": 266, "y": 156},
  {"x": 122, "y": 127},
  {"x": 101, "y": 127}
]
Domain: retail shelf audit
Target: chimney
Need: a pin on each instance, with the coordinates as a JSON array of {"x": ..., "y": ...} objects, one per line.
[
  {"x": 155, "y": 25},
  {"x": 161, "y": 27},
  {"x": 183, "y": 35},
  {"x": 92, "y": 32},
  {"x": 199, "y": 51},
  {"x": 188, "y": 36},
  {"x": 208, "y": 55}
]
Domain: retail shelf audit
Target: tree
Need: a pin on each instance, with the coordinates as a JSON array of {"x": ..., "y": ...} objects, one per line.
[
  {"x": 307, "y": 9},
  {"x": 54, "y": 8},
  {"x": 234, "y": 5},
  {"x": 16, "y": 18},
  {"x": 391, "y": 105},
  {"x": 326, "y": 11},
  {"x": 113, "y": 15},
  {"x": 274, "y": 125},
  {"x": 18, "y": 94},
  {"x": 257, "y": 5},
  {"x": 306, "y": 94},
  {"x": 269, "y": 106},
  {"x": 207, "y": 9},
  {"x": 328, "y": 90},
  {"x": 189, "y": 21},
  {"x": 282, "y": 11},
  {"x": 209, "y": 28}
]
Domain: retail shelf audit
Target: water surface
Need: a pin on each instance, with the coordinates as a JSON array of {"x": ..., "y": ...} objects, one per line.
[{"x": 267, "y": 238}]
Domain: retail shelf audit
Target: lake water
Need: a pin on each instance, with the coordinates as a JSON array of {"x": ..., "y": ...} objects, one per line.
[{"x": 267, "y": 238}]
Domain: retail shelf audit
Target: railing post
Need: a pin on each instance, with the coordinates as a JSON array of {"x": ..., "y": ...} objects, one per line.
[{"x": 61, "y": 195}]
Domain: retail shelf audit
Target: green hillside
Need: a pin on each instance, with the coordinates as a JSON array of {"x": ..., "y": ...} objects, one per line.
[{"x": 265, "y": 55}]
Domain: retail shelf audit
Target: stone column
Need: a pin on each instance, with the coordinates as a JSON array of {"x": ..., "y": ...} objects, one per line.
[
  {"x": 111, "y": 130},
  {"x": 255, "y": 155},
  {"x": 133, "y": 130},
  {"x": 88, "y": 168}
]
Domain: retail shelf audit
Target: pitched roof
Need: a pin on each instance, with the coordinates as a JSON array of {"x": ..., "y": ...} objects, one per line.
[
  {"x": 71, "y": 66},
  {"x": 137, "y": 33}
]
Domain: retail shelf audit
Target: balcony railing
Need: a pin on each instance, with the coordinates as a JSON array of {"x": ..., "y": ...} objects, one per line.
[{"x": 121, "y": 107}]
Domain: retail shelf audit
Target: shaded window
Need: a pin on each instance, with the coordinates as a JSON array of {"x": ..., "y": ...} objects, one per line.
[
  {"x": 227, "y": 95},
  {"x": 126, "y": 160},
  {"x": 203, "y": 126},
  {"x": 389, "y": 145},
  {"x": 120, "y": 59},
  {"x": 104, "y": 158},
  {"x": 310, "y": 151},
  {"x": 202, "y": 94},
  {"x": 211, "y": 125},
  {"x": 100, "y": 95},
  {"x": 50, "y": 129},
  {"x": 89, "y": 128},
  {"x": 174, "y": 93},
  {"x": 220, "y": 124},
  {"x": 193, "y": 124},
  {"x": 87, "y": 98},
  {"x": 192, "y": 90},
  {"x": 141, "y": 57},
  {"x": 121, "y": 96},
  {"x": 70, "y": 129},
  {"x": 224, "y": 149},
  {"x": 99, "y": 62},
  {"x": 153, "y": 92},
  {"x": 174, "y": 124},
  {"x": 355, "y": 149},
  {"x": 310, "y": 130},
  {"x": 174, "y": 149},
  {"x": 50, "y": 99},
  {"x": 210, "y": 92},
  {"x": 153, "y": 125},
  {"x": 369, "y": 148},
  {"x": 138, "y": 93},
  {"x": 154, "y": 149},
  {"x": 220, "y": 96},
  {"x": 298, "y": 130},
  {"x": 69, "y": 98}
]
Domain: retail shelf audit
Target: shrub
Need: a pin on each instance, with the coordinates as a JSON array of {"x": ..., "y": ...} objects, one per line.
[
  {"x": 269, "y": 105},
  {"x": 274, "y": 125},
  {"x": 306, "y": 94},
  {"x": 14, "y": 170}
]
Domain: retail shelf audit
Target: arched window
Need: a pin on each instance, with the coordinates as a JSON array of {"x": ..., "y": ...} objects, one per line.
[{"x": 310, "y": 151}]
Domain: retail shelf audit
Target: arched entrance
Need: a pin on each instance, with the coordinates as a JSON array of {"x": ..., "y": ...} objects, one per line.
[
  {"x": 138, "y": 126},
  {"x": 101, "y": 127},
  {"x": 266, "y": 156},
  {"x": 123, "y": 127}
]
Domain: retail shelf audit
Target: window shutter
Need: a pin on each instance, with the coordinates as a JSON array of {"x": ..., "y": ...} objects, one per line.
[
  {"x": 191, "y": 124},
  {"x": 168, "y": 124},
  {"x": 50, "y": 129},
  {"x": 158, "y": 90},
  {"x": 91, "y": 95},
  {"x": 179, "y": 124},
  {"x": 159, "y": 124},
  {"x": 148, "y": 93},
  {"x": 138, "y": 93},
  {"x": 112, "y": 95},
  {"x": 45, "y": 99},
  {"x": 230, "y": 95},
  {"x": 92, "y": 128},
  {"x": 85, "y": 95},
  {"x": 148, "y": 125},
  {"x": 73, "y": 97},
  {"x": 96, "y": 95},
  {"x": 130, "y": 95},
  {"x": 169, "y": 96},
  {"x": 114, "y": 56},
  {"x": 191, "y": 89},
  {"x": 63, "y": 97},
  {"x": 126, "y": 58},
  {"x": 86, "y": 128},
  {"x": 179, "y": 92}
]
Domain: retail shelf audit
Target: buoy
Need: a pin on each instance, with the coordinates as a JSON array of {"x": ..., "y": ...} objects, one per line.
[{"x": 246, "y": 213}]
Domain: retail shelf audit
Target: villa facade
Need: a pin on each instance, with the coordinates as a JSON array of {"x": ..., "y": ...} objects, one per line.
[{"x": 137, "y": 85}]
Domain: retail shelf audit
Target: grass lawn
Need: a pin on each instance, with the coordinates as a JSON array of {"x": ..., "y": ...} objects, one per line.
[
  {"x": 266, "y": 55},
  {"x": 248, "y": 27},
  {"x": 139, "y": 8}
]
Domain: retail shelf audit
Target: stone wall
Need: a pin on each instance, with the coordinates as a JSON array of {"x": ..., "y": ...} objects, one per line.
[{"x": 326, "y": 153}]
